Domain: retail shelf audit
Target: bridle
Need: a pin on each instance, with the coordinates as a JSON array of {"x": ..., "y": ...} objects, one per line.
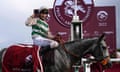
[{"x": 105, "y": 59}]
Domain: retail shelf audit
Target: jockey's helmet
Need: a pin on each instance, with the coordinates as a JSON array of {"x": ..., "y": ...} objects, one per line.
[{"x": 43, "y": 9}]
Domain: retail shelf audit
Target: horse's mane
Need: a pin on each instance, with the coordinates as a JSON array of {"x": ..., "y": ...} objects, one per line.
[{"x": 82, "y": 41}]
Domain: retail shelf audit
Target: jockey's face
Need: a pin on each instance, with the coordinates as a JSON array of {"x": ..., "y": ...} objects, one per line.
[{"x": 43, "y": 16}]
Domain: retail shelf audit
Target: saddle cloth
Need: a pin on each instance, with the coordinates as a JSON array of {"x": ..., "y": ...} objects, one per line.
[{"x": 22, "y": 58}]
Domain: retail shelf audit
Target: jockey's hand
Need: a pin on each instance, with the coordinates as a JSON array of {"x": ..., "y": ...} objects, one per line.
[
  {"x": 59, "y": 38},
  {"x": 50, "y": 36},
  {"x": 32, "y": 16}
]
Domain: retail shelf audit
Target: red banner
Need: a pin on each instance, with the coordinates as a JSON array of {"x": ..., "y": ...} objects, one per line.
[{"x": 101, "y": 20}]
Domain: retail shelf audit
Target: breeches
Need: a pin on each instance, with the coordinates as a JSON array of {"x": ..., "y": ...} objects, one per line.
[{"x": 41, "y": 41}]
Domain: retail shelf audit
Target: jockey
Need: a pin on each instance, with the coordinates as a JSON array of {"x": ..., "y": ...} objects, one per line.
[{"x": 41, "y": 34}]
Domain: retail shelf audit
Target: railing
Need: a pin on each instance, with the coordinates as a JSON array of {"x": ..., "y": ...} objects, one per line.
[{"x": 86, "y": 63}]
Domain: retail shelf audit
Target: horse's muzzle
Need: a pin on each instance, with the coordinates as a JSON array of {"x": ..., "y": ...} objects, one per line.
[{"x": 106, "y": 62}]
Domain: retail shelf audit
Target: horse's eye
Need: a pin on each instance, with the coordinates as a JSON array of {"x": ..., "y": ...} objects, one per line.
[{"x": 103, "y": 47}]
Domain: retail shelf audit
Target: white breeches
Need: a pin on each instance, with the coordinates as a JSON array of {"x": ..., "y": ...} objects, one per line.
[{"x": 41, "y": 41}]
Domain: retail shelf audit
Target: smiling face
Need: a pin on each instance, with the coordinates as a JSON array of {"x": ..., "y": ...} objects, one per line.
[{"x": 43, "y": 14}]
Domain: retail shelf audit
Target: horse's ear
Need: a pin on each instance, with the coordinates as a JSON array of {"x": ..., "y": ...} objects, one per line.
[{"x": 101, "y": 37}]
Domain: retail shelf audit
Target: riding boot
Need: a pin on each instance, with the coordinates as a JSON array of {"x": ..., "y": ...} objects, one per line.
[{"x": 44, "y": 49}]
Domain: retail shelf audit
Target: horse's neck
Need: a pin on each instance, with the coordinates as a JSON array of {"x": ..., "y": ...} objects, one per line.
[
  {"x": 73, "y": 51},
  {"x": 79, "y": 48},
  {"x": 66, "y": 60},
  {"x": 76, "y": 47}
]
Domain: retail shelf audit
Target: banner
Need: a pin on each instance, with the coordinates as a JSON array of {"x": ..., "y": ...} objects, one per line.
[{"x": 102, "y": 20}]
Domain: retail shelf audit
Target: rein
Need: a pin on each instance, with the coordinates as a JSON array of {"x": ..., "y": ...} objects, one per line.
[{"x": 59, "y": 39}]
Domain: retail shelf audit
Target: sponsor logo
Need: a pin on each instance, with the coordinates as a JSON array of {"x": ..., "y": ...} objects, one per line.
[
  {"x": 102, "y": 16},
  {"x": 64, "y": 10}
]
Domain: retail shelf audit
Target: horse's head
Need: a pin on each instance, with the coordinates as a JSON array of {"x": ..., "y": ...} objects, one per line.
[{"x": 100, "y": 51}]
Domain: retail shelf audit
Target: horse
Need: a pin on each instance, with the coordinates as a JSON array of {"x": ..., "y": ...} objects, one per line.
[
  {"x": 69, "y": 53},
  {"x": 66, "y": 56}
]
